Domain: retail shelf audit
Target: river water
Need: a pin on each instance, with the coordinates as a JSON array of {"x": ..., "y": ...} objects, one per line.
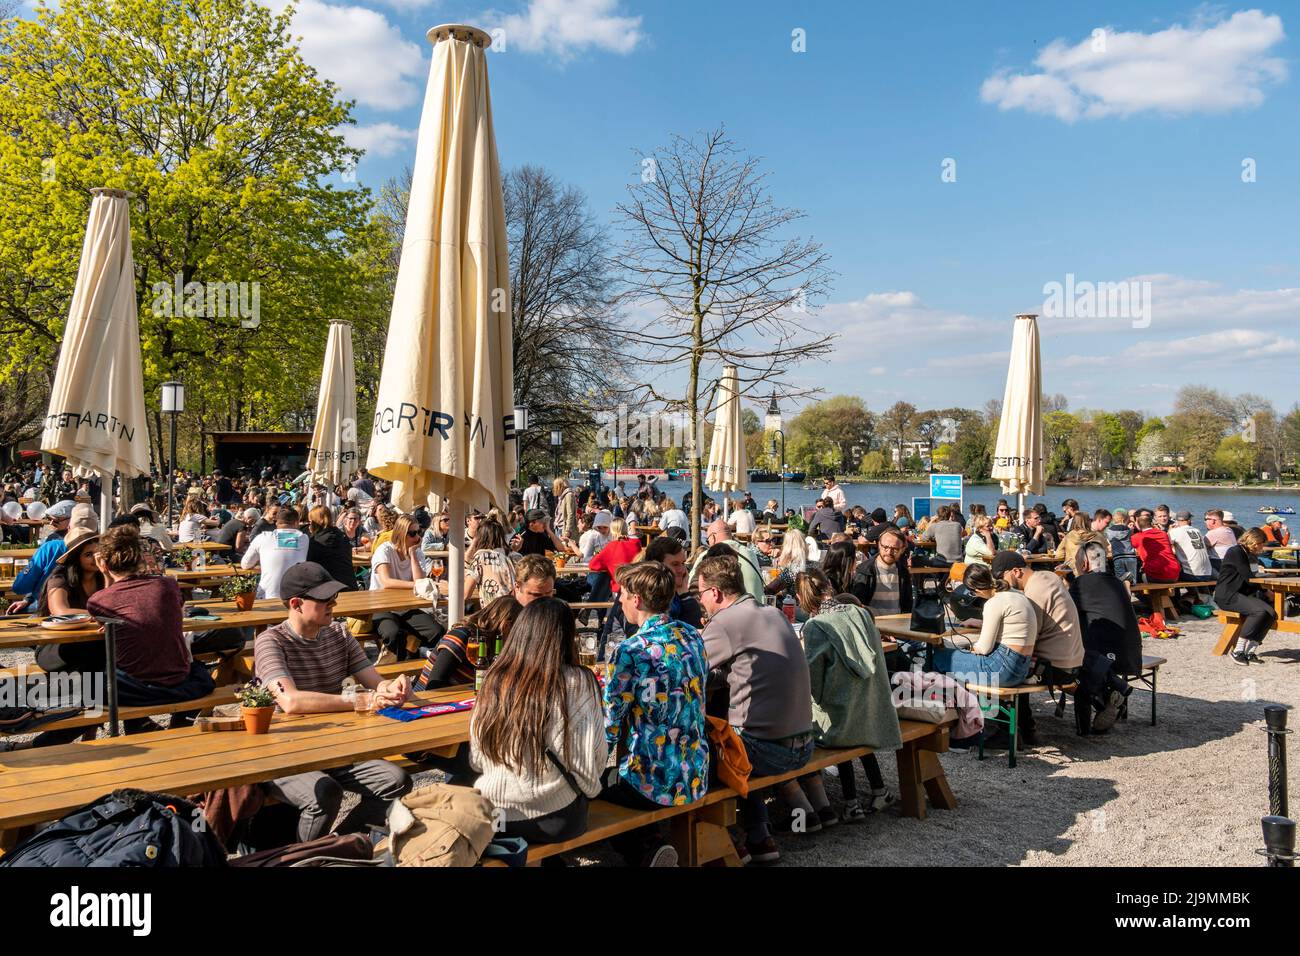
[{"x": 1244, "y": 504}]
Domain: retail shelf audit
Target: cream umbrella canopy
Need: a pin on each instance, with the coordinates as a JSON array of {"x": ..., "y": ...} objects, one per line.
[
  {"x": 728, "y": 471},
  {"x": 332, "y": 456},
  {"x": 1018, "y": 458},
  {"x": 444, "y": 414},
  {"x": 96, "y": 418}
]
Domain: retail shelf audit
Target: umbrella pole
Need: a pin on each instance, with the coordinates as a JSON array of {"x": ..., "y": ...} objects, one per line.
[
  {"x": 105, "y": 501},
  {"x": 456, "y": 564}
]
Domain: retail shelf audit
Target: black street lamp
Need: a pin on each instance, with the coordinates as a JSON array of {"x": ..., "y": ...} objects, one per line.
[
  {"x": 557, "y": 439},
  {"x": 173, "y": 403},
  {"x": 780, "y": 464}
]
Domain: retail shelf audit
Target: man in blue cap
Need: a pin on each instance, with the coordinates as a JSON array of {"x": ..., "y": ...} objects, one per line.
[{"x": 28, "y": 584}]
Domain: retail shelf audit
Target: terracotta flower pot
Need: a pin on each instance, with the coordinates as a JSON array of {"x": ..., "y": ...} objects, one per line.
[
  {"x": 257, "y": 720},
  {"x": 244, "y": 602}
]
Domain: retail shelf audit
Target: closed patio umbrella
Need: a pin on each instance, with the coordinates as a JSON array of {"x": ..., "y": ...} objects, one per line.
[
  {"x": 728, "y": 471},
  {"x": 96, "y": 419},
  {"x": 444, "y": 416},
  {"x": 332, "y": 457},
  {"x": 1018, "y": 458}
]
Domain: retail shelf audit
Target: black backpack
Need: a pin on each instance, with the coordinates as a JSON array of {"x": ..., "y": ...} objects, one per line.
[{"x": 125, "y": 828}]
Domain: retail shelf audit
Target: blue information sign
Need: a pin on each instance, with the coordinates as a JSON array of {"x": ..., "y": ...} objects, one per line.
[{"x": 945, "y": 486}]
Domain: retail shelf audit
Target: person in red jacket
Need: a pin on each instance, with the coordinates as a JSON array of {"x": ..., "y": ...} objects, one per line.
[
  {"x": 621, "y": 550},
  {"x": 1159, "y": 562}
]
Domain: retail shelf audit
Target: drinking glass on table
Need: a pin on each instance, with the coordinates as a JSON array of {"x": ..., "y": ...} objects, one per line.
[
  {"x": 363, "y": 701},
  {"x": 587, "y": 651},
  {"x": 436, "y": 568}
]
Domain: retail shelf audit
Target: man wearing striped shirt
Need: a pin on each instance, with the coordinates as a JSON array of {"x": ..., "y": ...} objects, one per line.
[{"x": 304, "y": 662}]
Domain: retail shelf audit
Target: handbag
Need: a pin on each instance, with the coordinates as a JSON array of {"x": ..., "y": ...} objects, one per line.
[
  {"x": 730, "y": 759},
  {"x": 927, "y": 611}
]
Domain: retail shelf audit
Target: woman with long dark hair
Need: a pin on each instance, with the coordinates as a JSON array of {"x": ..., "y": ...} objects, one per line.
[
  {"x": 538, "y": 732},
  {"x": 839, "y": 561}
]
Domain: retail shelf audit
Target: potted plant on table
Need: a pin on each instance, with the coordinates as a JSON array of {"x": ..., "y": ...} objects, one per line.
[
  {"x": 256, "y": 705},
  {"x": 184, "y": 558},
  {"x": 242, "y": 589}
]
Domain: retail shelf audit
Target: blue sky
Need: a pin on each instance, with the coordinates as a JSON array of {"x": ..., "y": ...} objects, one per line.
[{"x": 1106, "y": 163}]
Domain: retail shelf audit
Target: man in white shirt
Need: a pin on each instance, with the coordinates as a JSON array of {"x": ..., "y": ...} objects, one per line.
[
  {"x": 533, "y": 498},
  {"x": 834, "y": 492},
  {"x": 742, "y": 521},
  {"x": 1189, "y": 546},
  {"x": 674, "y": 517},
  {"x": 276, "y": 551}
]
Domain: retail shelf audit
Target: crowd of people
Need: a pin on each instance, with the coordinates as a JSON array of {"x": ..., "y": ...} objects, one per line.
[{"x": 759, "y": 623}]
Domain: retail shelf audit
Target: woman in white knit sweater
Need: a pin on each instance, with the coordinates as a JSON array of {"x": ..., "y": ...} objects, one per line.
[
  {"x": 538, "y": 731},
  {"x": 1008, "y": 631}
]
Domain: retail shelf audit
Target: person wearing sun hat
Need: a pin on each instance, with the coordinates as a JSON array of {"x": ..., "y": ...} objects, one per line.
[
  {"x": 151, "y": 527},
  {"x": 28, "y": 584}
]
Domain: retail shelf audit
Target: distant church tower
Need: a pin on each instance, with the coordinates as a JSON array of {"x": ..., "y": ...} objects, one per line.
[{"x": 772, "y": 422}]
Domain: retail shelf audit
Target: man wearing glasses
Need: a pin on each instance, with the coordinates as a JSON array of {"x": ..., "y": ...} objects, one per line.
[
  {"x": 304, "y": 661},
  {"x": 718, "y": 537},
  {"x": 882, "y": 582}
]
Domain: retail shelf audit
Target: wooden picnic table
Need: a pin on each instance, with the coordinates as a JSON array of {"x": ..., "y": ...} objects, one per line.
[
  {"x": 899, "y": 626},
  {"x": 44, "y": 783},
  {"x": 17, "y": 552},
  {"x": 1279, "y": 588},
  {"x": 203, "y": 574},
  {"x": 18, "y": 632}
]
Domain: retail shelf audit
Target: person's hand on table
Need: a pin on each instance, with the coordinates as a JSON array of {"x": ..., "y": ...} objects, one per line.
[
  {"x": 16, "y": 608},
  {"x": 393, "y": 693},
  {"x": 972, "y": 622}
]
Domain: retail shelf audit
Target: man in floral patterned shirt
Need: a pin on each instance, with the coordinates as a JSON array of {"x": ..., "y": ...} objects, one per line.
[{"x": 654, "y": 698}]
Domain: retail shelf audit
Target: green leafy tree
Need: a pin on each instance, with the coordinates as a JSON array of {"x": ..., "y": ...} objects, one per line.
[
  {"x": 1235, "y": 457},
  {"x": 842, "y": 424},
  {"x": 1112, "y": 439},
  {"x": 1196, "y": 434},
  {"x": 205, "y": 110},
  {"x": 874, "y": 465}
]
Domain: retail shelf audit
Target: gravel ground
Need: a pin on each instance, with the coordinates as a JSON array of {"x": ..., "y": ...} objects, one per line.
[{"x": 1188, "y": 792}]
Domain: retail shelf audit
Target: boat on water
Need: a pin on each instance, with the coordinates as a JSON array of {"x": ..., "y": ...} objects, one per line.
[
  {"x": 760, "y": 477},
  {"x": 1274, "y": 510}
]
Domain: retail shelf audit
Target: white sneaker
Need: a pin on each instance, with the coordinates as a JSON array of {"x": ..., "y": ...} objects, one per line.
[{"x": 666, "y": 855}]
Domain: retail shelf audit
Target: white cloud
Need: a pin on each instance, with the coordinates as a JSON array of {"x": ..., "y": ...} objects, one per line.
[
  {"x": 378, "y": 139},
  {"x": 1210, "y": 66},
  {"x": 361, "y": 51},
  {"x": 865, "y": 324},
  {"x": 1224, "y": 349},
  {"x": 1179, "y": 304},
  {"x": 566, "y": 28}
]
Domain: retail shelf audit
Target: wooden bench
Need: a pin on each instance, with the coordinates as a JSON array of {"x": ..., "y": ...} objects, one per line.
[
  {"x": 699, "y": 830},
  {"x": 1004, "y": 708},
  {"x": 1160, "y": 594}
]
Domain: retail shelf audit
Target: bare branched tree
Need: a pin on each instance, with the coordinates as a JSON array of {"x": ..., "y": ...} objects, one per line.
[
  {"x": 564, "y": 308},
  {"x": 706, "y": 249}
]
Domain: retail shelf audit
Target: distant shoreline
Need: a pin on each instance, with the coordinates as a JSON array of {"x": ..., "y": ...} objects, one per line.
[{"x": 922, "y": 479}]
